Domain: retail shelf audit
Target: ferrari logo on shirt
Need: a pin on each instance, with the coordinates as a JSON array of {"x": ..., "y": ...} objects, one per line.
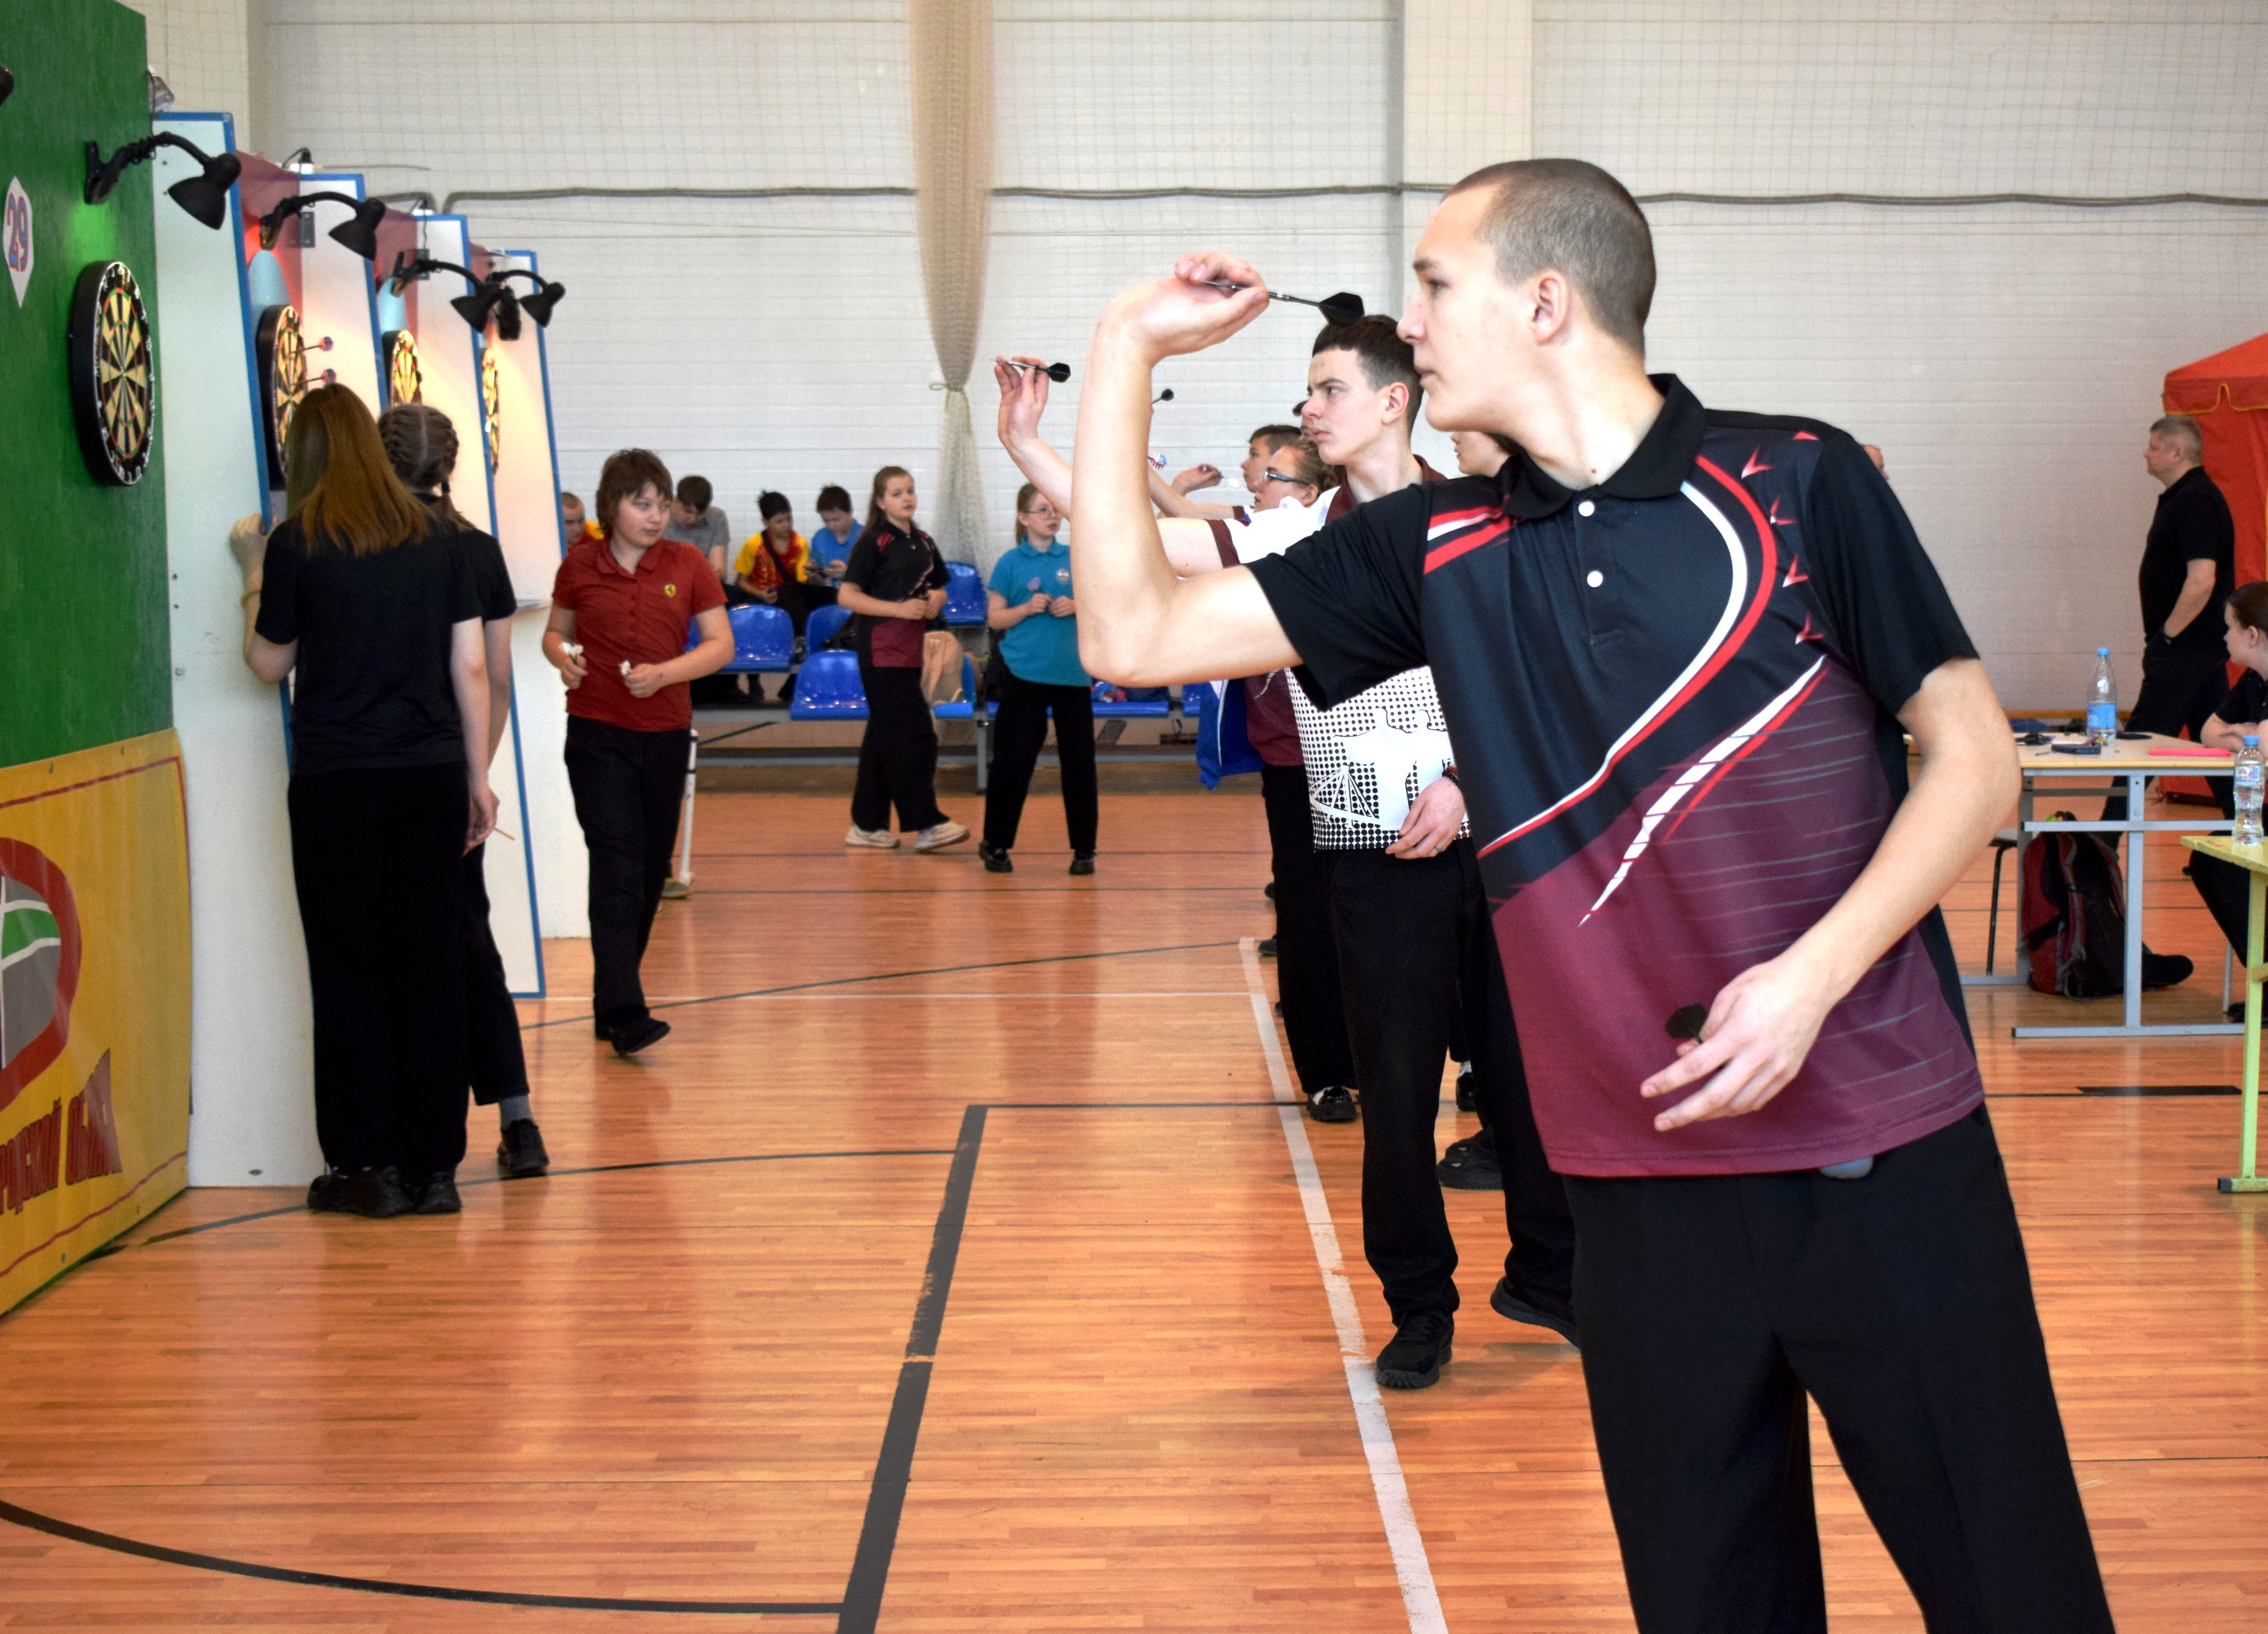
[{"x": 669, "y": 590}]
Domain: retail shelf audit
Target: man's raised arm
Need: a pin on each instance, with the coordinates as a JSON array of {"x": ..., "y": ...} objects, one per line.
[{"x": 1139, "y": 625}]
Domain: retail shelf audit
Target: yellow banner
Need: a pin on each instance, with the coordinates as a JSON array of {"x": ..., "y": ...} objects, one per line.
[{"x": 94, "y": 1001}]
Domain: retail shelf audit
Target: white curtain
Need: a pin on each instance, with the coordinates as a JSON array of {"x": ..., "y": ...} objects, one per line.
[{"x": 951, "y": 46}]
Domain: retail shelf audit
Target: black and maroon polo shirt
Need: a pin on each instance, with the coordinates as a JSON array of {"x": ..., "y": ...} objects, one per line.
[{"x": 1673, "y": 699}]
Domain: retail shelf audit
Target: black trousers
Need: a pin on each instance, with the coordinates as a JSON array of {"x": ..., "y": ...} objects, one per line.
[
  {"x": 897, "y": 758},
  {"x": 1418, "y": 966},
  {"x": 494, "y": 1058},
  {"x": 2179, "y": 688},
  {"x": 1017, "y": 732},
  {"x": 376, "y": 856},
  {"x": 629, "y": 787},
  {"x": 1901, "y": 1304},
  {"x": 1307, "y": 947}
]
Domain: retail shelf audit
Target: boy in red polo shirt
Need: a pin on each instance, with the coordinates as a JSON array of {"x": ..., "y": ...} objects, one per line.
[{"x": 620, "y": 608}]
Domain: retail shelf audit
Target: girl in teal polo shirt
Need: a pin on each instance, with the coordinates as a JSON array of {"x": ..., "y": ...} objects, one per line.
[{"x": 1029, "y": 603}]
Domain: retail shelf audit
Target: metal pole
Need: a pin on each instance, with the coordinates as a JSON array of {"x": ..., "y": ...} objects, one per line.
[
  {"x": 2247, "y": 1178},
  {"x": 2138, "y": 846}
]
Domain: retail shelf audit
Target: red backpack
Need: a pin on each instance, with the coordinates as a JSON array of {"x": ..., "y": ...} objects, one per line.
[{"x": 2074, "y": 915}]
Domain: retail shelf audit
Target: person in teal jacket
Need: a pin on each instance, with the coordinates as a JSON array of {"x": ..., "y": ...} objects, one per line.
[{"x": 1028, "y": 603}]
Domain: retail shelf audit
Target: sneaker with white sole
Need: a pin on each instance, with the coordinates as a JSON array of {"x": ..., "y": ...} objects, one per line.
[
  {"x": 937, "y": 836},
  {"x": 873, "y": 839}
]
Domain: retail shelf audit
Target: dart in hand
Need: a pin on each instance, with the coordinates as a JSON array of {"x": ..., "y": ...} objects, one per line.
[
  {"x": 1344, "y": 307},
  {"x": 1056, "y": 371}
]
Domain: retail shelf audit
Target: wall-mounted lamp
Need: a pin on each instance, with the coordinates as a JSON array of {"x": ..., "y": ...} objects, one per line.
[
  {"x": 204, "y": 195},
  {"x": 359, "y": 233},
  {"x": 487, "y": 297},
  {"x": 538, "y": 303}
]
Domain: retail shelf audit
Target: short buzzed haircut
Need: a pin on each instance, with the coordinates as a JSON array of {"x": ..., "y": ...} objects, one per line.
[
  {"x": 1385, "y": 357},
  {"x": 2178, "y": 430},
  {"x": 1567, "y": 216}
]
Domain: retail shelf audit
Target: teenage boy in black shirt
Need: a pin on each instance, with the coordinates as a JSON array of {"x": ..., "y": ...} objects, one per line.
[{"x": 1677, "y": 648}]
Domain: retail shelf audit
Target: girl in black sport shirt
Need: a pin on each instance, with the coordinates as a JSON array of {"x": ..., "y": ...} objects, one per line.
[
  {"x": 895, "y": 583},
  {"x": 365, "y": 595}
]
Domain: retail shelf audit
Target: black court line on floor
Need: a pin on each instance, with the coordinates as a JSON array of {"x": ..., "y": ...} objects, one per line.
[
  {"x": 2133, "y": 1091},
  {"x": 861, "y": 1607},
  {"x": 584, "y": 1018}
]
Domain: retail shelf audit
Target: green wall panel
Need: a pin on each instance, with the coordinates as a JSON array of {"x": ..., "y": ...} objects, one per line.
[{"x": 84, "y": 656}]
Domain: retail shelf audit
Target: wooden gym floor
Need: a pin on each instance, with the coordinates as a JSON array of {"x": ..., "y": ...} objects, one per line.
[{"x": 949, "y": 1267}]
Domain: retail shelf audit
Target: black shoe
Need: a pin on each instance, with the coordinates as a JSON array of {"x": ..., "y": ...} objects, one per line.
[
  {"x": 633, "y": 1037},
  {"x": 1471, "y": 1165},
  {"x": 598, "y": 1028},
  {"x": 520, "y": 1154},
  {"x": 1268, "y": 890},
  {"x": 1540, "y": 1309},
  {"x": 1279, "y": 1010},
  {"x": 995, "y": 859},
  {"x": 1413, "y": 1358},
  {"x": 1331, "y": 1104},
  {"x": 1082, "y": 862},
  {"x": 377, "y": 1194},
  {"x": 438, "y": 1194},
  {"x": 1465, "y": 1089},
  {"x": 1267, "y": 948},
  {"x": 2164, "y": 970}
]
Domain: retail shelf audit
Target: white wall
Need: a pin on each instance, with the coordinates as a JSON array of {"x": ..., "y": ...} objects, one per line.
[{"x": 2007, "y": 356}]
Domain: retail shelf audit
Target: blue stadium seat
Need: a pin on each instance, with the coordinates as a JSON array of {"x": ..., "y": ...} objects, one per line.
[
  {"x": 965, "y": 708},
  {"x": 1107, "y": 708},
  {"x": 763, "y": 639},
  {"x": 827, "y": 687},
  {"x": 820, "y": 629},
  {"x": 964, "y": 594}
]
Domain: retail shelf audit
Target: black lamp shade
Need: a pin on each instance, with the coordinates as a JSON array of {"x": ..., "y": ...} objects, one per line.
[
  {"x": 359, "y": 232},
  {"x": 474, "y": 304},
  {"x": 538, "y": 303},
  {"x": 205, "y": 195}
]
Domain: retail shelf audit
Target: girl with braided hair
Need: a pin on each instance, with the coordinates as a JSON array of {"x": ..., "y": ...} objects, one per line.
[{"x": 421, "y": 444}]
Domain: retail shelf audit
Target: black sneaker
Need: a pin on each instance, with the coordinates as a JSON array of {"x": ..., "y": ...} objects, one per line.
[
  {"x": 1331, "y": 1104},
  {"x": 377, "y": 1194},
  {"x": 1268, "y": 890},
  {"x": 1471, "y": 1165},
  {"x": 1539, "y": 1309},
  {"x": 995, "y": 859},
  {"x": 1413, "y": 1358},
  {"x": 1267, "y": 948},
  {"x": 520, "y": 1154},
  {"x": 438, "y": 1194},
  {"x": 1082, "y": 862},
  {"x": 600, "y": 1029},
  {"x": 1465, "y": 1087}
]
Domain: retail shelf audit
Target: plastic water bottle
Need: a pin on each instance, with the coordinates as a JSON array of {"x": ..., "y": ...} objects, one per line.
[
  {"x": 2252, "y": 773},
  {"x": 2101, "y": 702}
]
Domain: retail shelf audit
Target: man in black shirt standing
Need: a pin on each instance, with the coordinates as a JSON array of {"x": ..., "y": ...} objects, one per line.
[
  {"x": 2188, "y": 567},
  {"x": 1676, "y": 648}
]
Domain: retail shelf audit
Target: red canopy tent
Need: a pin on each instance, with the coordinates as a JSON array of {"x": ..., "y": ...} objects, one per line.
[{"x": 2228, "y": 395}]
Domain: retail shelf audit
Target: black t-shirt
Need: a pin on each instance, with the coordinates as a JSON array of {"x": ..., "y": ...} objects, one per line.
[
  {"x": 2247, "y": 703},
  {"x": 372, "y": 687},
  {"x": 492, "y": 579},
  {"x": 1673, "y": 698},
  {"x": 892, "y": 566},
  {"x": 2192, "y": 524}
]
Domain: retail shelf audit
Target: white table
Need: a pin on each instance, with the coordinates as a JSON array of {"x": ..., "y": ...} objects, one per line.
[{"x": 2131, "y": 763}]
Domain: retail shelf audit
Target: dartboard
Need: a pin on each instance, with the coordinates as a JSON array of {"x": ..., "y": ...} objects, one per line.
[
  {"x": 282, "y": 381},
  {"x": 114, "y": 384},
  {"x": 405, "y": 381},
  {"x": 491, "y": 406}
]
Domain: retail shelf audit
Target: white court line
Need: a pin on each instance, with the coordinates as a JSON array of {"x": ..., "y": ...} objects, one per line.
[{"x": 1412, "y": 1570}]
